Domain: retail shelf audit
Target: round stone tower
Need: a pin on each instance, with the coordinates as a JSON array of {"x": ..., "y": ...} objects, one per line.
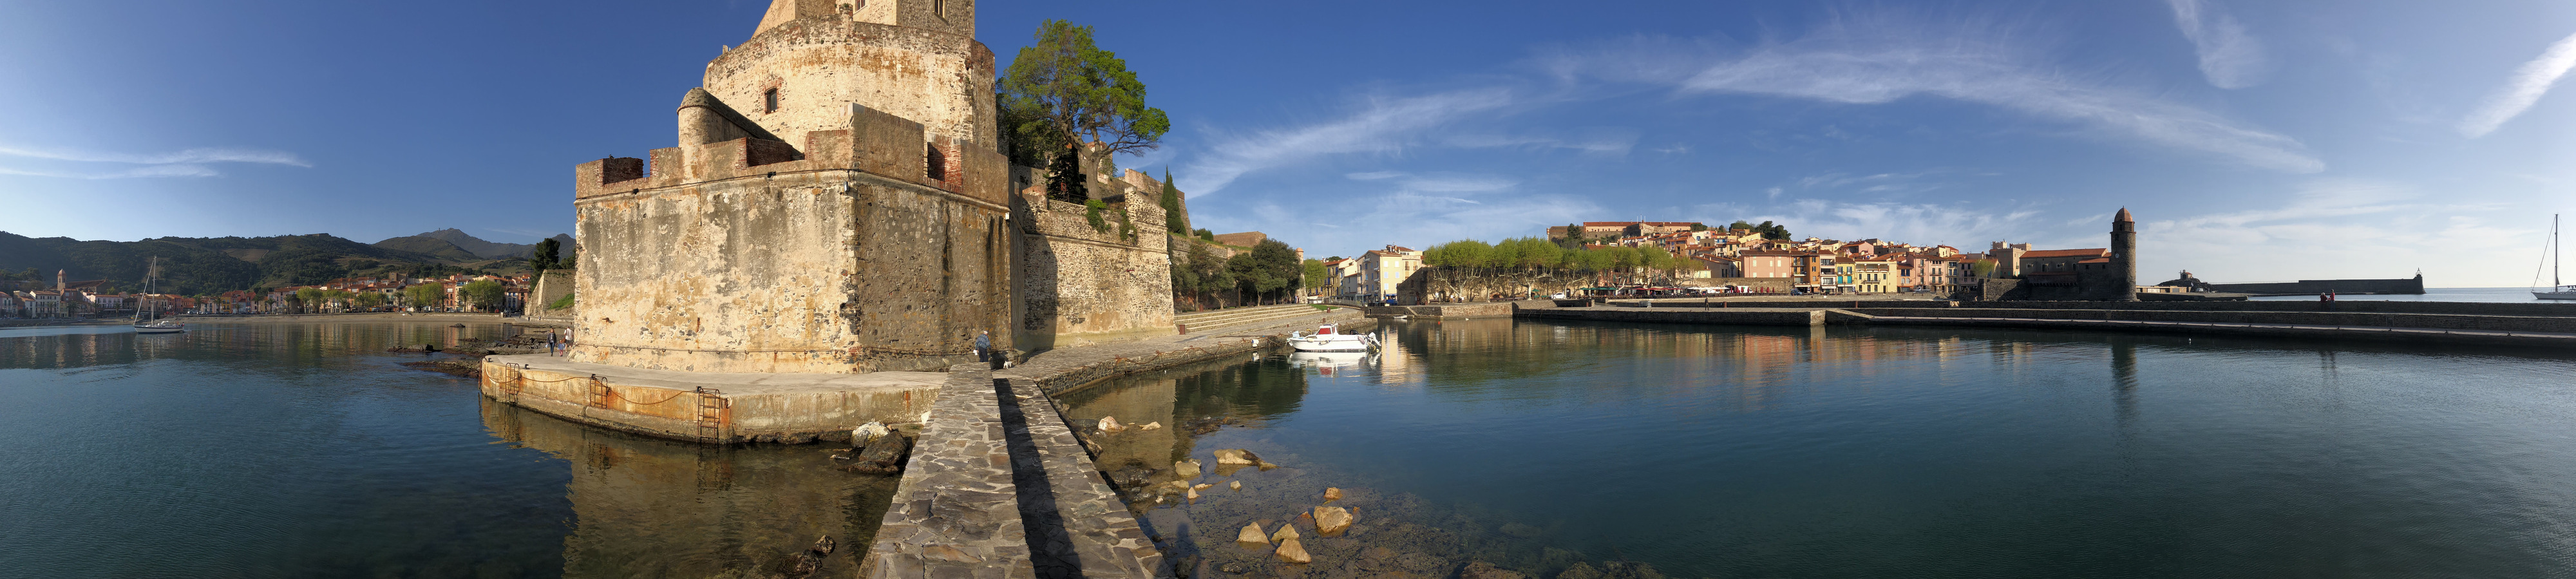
[
  {"x": 810, "y": 59},
  {"x": 2124, "y": 256}
]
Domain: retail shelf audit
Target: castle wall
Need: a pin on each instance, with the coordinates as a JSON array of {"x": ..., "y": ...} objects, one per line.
[
  {"x": 551, "y": 285},
  {"x": 1079, "y": 285},
  {"x": 942, "y": 80},
  {"x": 726, "y": 257}
]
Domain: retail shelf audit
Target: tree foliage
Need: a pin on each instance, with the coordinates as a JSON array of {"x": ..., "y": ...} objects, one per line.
[
  {"x": 427, "y": 295},
  {"x": 1173, "y": 217},
  {"x": 1768, "y": 229},
  {"x": 544, "y": 256},
  {"x": 1070, "y": 85},
  {"x": 484, "y": 295},
  {"x": 1062, "y": 91}
]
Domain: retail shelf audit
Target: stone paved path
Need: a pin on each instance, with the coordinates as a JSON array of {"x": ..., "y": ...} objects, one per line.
[
  {"x": 1001, "y": 487},
  {"x": 956, "y": 513}
]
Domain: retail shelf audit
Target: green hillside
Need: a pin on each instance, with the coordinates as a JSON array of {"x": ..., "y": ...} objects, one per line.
[
  {"x": 430, "y": 246},
  {"x": 212, "y": 265}
]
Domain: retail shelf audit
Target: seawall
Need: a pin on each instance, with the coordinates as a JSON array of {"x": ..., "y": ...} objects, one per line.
[{"x": 2413, "y": 285}]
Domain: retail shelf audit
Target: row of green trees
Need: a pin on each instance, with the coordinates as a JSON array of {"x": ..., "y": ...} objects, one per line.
[
  {"x": 1620, "y": 263},
  {"x": 1269, "y": 273}
]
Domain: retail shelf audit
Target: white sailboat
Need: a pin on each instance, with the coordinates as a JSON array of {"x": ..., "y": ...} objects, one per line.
[
  {"x": 2558, "y": 288},
  {"x": 146, "y": 324}
]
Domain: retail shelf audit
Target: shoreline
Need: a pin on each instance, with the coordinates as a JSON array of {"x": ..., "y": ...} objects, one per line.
[{"x": 392, "y": 317}]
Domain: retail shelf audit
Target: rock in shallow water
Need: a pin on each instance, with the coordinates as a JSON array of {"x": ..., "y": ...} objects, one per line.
[
  {"x": 1293, "y": 551},
  {"x": 1331, "y": 521},
  {"x": 1484, "y": 570},
  {"x": 1251, "y": 534},
  {"x": 1332, "y": 493},
  {"x": 1236, "y": 456},
  {"x": 1287, "y": 532}
]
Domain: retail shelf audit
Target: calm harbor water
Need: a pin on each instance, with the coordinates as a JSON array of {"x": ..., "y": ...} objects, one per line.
[
  {"x": 1891, "y": 452},
  {"x": 279, "y": 449}
]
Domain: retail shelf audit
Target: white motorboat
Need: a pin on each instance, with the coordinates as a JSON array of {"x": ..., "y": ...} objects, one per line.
[
  {"x": 2558, "y": 288},
  {"x": 1328, "y": 338}
]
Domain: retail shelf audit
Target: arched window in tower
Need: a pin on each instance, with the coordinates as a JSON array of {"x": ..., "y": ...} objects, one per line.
[
  {"x": 939, "y": 8},
  {"x": 769, "y": 100}
]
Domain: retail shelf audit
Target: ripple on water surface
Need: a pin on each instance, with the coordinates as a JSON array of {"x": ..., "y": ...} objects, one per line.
[{"x": 1864, "y": 453}]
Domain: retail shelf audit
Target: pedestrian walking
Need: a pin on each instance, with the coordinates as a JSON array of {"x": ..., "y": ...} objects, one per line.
[{"x": 983, "y": 346}]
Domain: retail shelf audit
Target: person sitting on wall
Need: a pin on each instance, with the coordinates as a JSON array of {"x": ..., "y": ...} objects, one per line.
[{"x": 983, "y": 345}]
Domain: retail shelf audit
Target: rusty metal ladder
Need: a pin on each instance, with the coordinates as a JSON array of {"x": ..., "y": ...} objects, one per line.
[
  {"x": 599, "y": 392},
  {"x": 711, "y": 407}
]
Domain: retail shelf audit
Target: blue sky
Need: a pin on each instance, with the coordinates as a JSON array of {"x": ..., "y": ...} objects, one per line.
[{"x": 2254, "y": 140}]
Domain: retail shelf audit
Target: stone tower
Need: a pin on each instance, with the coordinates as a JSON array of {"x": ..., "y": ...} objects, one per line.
[
  {"x": 835, "y": 204},
  {"x": 2124, "y": 256}
]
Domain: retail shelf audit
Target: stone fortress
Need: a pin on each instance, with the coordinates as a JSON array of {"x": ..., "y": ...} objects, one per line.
[{"x": 836, "y": 203}]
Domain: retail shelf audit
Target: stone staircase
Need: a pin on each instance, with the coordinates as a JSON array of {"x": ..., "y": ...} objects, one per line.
[{"x": 1203, "y": 322}]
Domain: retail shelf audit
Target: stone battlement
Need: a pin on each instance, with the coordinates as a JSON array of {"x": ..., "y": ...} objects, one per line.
[{"x": 871, "y": 141}]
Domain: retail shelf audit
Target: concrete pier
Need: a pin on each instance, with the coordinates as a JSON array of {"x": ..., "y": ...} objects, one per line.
[{"x": 718, "y": 407}]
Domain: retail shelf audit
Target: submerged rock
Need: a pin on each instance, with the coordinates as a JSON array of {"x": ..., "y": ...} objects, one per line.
[
  {"x": 881, "y": 456},
  {"x": 1110, "y": 424},
  {"x": 1252, "y": 534},
  {"x": 1331, "y": 521},
  {"x": 1580, "y": 571},
  {"x": 867, "y": 432},
  {"x": 1293, "y": 552},
  {"x": 1332, "y": 493},
  {"x": 1151, "y": 426},
  {"x": 1236, "y": 456},
  {"x": 1629, "y": 570},
  {"x": 1286, "y": 532},
  {"x": 1236, "y": 485},
  {"x": 1484, "y": 570},
  {"x": 1188, "y": 469}
]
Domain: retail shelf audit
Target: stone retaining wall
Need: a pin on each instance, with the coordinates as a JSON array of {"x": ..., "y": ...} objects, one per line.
[
  {"x": 2407, "y": 320},
  {"x": 1447, "y": 311},
  {"x": 1088, "y": 531},
  {"x": 1731, "y": 316}
]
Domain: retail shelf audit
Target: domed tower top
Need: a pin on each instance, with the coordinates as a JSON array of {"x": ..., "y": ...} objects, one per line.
[
  {"x": 811, "y": 59},
  {"x": 2123, "y": 217}
]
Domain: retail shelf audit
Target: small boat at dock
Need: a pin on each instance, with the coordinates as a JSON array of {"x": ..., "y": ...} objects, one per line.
[{"x": 1328, "y": 338}]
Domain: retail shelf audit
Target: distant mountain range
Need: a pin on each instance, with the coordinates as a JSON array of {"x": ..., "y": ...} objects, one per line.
[
  {"x": 437, "y": 243},
  {"x": 195, "y": 265}
]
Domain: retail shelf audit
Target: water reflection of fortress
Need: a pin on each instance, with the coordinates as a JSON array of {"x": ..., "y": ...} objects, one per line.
[{"x": 648, "y": 507}]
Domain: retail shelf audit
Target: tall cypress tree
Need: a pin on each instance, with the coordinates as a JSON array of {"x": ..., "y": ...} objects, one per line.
[{"x": 1173, "y": 218}]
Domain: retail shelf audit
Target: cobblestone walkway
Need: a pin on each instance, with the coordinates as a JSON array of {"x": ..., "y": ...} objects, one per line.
[
  {"x": 956, "y": 514},
  {"x": 999, "y": 486}
]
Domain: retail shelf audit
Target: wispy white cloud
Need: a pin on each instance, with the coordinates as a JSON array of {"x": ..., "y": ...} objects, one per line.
[
  {"x": 208, "y": 155},
  {"x": 1877, "y": 59},
  {"x": 2345, "y": 228},
  {"x": 2529, "y": 82},
  {"x": 2230, "y": 57},
  {"x": 188, "y": 163},
  {"x": 1374, "y": 175},
  {"x": 135, "y": 173},
  {"x": 1381, "y": 125}
]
